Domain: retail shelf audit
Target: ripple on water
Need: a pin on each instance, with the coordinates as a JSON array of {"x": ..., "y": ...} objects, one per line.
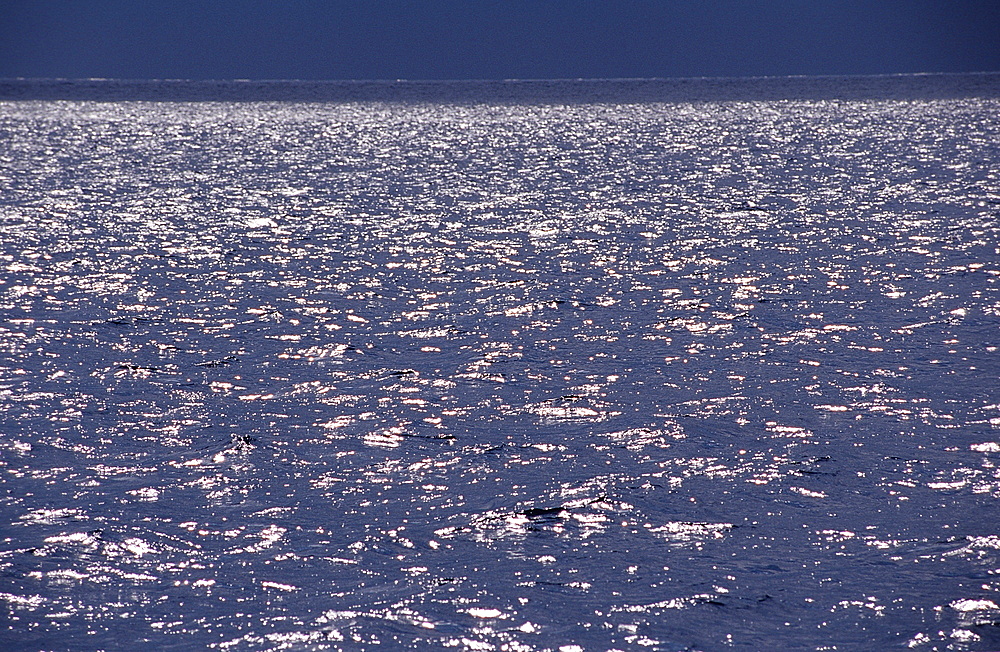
[{"x": 500, "y": 376}]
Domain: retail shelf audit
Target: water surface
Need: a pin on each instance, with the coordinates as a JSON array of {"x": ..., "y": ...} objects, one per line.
[{"x": 502, "y": 375}]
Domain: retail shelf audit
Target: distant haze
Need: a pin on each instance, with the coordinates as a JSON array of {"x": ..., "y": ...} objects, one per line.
[{"x": 492, "y": 39}]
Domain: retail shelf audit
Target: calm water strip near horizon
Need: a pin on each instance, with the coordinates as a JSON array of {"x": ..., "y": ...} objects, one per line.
[{"x": 500, "y": 376}]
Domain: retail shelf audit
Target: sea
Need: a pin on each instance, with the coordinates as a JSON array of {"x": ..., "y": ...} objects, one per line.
[{"x": 561, "y": 366}]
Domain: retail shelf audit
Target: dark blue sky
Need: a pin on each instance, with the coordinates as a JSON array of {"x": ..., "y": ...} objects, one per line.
[{"x": 493, "y": 39}]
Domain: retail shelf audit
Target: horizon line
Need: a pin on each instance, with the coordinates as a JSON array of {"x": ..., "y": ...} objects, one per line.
[{"x": 243, "y": 80}]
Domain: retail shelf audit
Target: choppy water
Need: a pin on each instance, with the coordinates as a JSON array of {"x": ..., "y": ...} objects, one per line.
[{"x": 501, "y": 376}]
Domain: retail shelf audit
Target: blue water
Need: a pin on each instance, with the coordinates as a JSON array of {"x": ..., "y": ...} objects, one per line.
[{"x": 640, "y": 365}]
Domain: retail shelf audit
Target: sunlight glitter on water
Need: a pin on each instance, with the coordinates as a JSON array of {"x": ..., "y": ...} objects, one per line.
[{"x": 494, "y": 376}]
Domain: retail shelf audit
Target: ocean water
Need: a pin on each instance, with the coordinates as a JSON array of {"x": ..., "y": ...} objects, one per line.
[{"x": 599, "y": 366}]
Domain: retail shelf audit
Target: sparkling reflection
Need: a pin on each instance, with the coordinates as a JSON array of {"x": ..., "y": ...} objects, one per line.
[{"x": 500, "y": 376}]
